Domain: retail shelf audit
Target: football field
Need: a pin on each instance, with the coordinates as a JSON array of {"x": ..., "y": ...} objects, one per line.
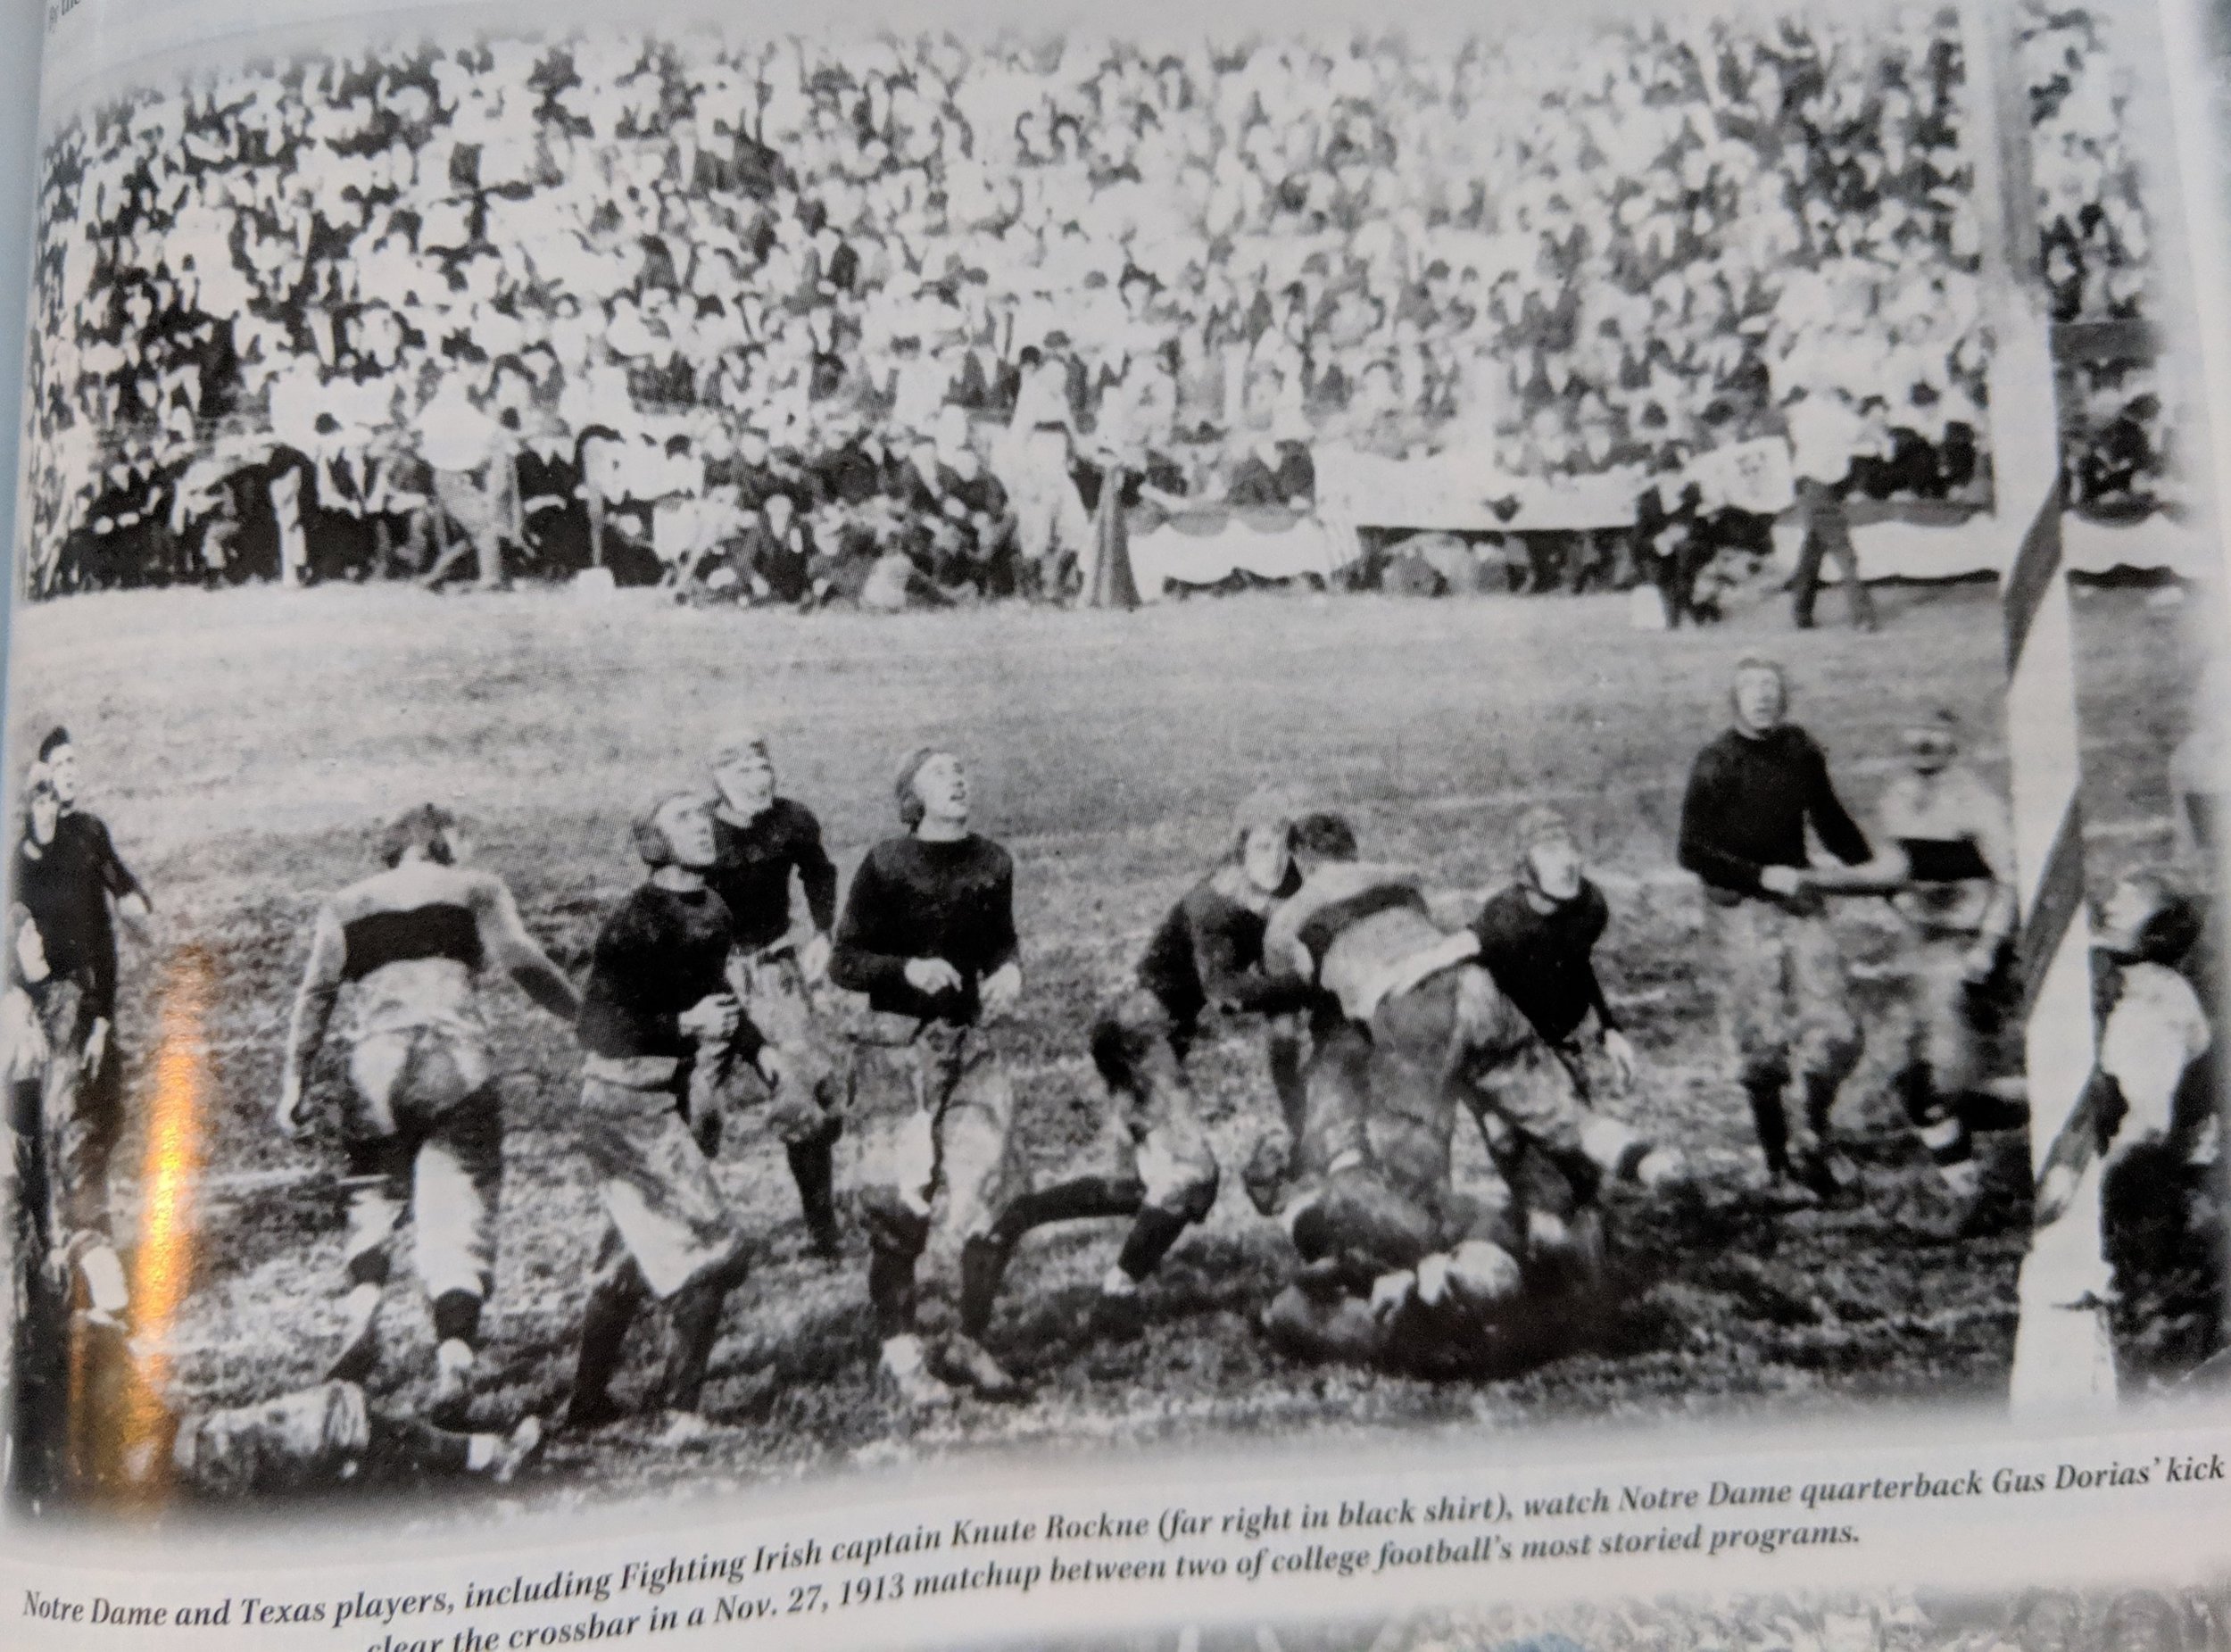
[{"x": 245, "y": 747}]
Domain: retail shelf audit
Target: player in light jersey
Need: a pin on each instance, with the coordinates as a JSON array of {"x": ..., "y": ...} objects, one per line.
[
  {"x": 423, "y": 1128},
  {"x": 1944, "y": 858},
  {"x": 2149, "y": 1122}
]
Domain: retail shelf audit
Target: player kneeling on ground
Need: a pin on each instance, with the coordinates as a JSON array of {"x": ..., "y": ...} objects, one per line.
[
  {"x": 1207, "y": 954},
  {"x": 761, "y": 839},
  {"x": 928, "y": 933},
  {"x": 423, "y": 1129},
  {"x": 656, "y": 1005}
]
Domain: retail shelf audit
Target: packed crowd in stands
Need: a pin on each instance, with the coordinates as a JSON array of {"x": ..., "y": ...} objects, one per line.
[{"x": 808, "y": 322}]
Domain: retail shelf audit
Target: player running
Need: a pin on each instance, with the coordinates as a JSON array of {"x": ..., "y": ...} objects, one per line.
[
  {"x": 422, "y": 1131},
  {"x": 928, "y": 933},
  {"x": 656, "y": 1007},
  {"x": 760, "y": 840},
  {"x": 1786, "y": 1005},
  {"x": 1206, "y": 954}
]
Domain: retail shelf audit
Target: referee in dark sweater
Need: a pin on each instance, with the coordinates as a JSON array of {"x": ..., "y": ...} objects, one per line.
[
  {"x": 928, "y": 933},
  {"x": 1785, "y": 1001}
]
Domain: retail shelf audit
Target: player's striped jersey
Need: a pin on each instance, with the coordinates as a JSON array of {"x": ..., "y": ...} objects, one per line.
[{"x": 413, "y": 942}]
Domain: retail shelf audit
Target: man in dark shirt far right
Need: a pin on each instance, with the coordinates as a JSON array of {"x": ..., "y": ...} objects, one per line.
[{"x": 1786, "y": 1003}]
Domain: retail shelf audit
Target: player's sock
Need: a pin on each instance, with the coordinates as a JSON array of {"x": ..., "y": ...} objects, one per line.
[
  {"x": 1077, "y": 1200},
  {"x": 1764, "y": 1093},
  {"x": 454, "y": 1360},
  {"x": 695, "y": 1311},
  {"x": 360, "y": 1342},
  {"x": 813, "y": 1167},
  {"x": 613, "y": 1302},
  {"x": 983, "y": 1266},
  {"x": 408, "y": 1447},
  {"x": 890, "y": 1292},
  {"x": 1152, "y": 1233}
]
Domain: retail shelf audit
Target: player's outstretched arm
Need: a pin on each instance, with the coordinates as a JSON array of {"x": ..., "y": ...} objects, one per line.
[
  {"x": 503, "y": 936},
  {"x": 314, "y": 1000}
]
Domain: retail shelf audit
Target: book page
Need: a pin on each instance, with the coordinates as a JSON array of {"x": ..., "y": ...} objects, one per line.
[{"x": 973, "y": 828}]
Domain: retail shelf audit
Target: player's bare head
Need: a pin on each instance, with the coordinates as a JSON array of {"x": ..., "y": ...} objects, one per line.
[
  {"x": 743, "y": 771},
  {"x": 1263, "y": 835},
  {"x": 427, "y": 833},
  {"x": 2149, "y": 918},
  {"x": 675, "y": 830},
  {"x": 1322, "y": 836},
  {"x": 1931, "y": 739},
  {"x": 932, "y": 786},
  {"x": 58, "y": 755},
  {"x": 1760, "y": 694},
  {"x": 1549, "y": 858},
  {"x": 42, "y": 804}
]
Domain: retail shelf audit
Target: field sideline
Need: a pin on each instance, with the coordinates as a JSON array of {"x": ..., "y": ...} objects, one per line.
[{"x": 245, "y": 745}]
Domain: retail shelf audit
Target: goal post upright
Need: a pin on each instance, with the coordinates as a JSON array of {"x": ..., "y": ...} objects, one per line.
[{"x": 2063, "y": 1354}]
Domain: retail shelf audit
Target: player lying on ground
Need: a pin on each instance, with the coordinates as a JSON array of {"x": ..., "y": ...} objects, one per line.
[
  {"x": 422, "y": 1129},
  {"x": 928, "y": 933},
  {"x": 1206, "y": 954},
  {"x": 325, "y": 1437},
  {"x": 656, "y": 1007},
  {"x": 1785, "y": 1007},
  {"x": 65, "y": 873},
  {"x": 760, "y": 840},
  {"x": 1946, "y": 861}
]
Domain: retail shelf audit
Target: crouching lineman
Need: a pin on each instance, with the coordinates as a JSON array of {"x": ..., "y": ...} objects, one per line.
[
  {"x": 761, "y": 840},
  {"x": 423, "y": 1131},
  {"x": 1207, "y": 954},
  {"x": 1785, "y": 1006},
  {"x": 1946, "y": 861},
  {"x": 1537, "y": 938},
  {"x": 928, "y": 933},
  {"x": 655, "y": 1006}
]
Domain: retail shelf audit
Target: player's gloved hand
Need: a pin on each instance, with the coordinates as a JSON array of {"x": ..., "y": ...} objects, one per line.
[
  {"x": 292, "y": 1116},
  {"x": 813, "y": 960},
  {"x": 1003, "y": 987},
  {"x": 711, "y": 1019},
  {"x": 1787, "y": 883},
  {"x": 1620, "y": 1055},
  {"x": 931, "y": 975}
]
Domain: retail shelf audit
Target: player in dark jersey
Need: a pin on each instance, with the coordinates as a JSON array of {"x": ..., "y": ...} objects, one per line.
[
  {"x": 762, "y": 840},
  {"x": 81, "y": 874},
  {"x": 656, "y": 1005},
  {"x": 928, "y": 933},
  {"x": 423, "y": 1127},
  {"x": 1538, "y": 937},
  {"x": 1206, "y": 954},
  {"x": 78, "y": 1111},
  {"x": 1785, "y": 1007}
]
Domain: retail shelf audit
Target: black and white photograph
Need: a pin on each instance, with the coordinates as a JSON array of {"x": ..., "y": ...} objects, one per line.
[
  {"x": 739, "y": 755},
  {"x": 2186, "y": 1618}
]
